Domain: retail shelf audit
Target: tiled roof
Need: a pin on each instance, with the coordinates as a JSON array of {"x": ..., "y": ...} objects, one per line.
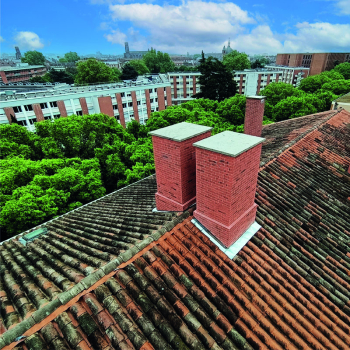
[
  {"x": 288, "y": 288},
  {"x": 282, "y": 135}
]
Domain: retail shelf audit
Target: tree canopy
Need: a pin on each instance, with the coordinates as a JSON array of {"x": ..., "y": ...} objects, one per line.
[
  {"x": 343, "y": 69},
  {"x": 92, "y": 71},
  {"x": 236, "y": 61},
  {"x": 139, "y": 66},
  {"x": 158, "y": 62},
  {"x": 70, "y": 57},
  {"x": 129, "y": 72},
  {"x": 216, "y": 80},
  {"x": 33, "y": 58}
]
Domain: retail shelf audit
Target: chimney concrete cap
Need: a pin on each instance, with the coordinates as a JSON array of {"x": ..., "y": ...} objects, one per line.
[
  {"x": 257, "y": 97},
  {"x": 181, "y": 131},
  {"x": 229, "y": 143}
]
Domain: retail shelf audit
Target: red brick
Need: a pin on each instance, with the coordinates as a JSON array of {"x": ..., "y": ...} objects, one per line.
[{"x": 254, "y": 116}]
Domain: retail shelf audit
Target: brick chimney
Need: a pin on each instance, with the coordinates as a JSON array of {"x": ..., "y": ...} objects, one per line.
[
  {"x": 227, "y": 171},
  {"x": 174, "y": 158},
  {"x": 254, "y": 112}
]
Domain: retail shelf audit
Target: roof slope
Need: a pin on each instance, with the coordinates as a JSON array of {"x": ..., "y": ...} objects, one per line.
[
  {"x": 77, "y": 245},
  {"x": 288, "y": 288},
  {"x": 282, "y": 135}
]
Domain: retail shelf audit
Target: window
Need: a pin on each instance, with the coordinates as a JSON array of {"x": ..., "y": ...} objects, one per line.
[
  {"x": 53, "y": 104},
  {"x": 165, "y": 89},
  {"x": 122, "y": 94},
  {"x": 130, "y": 104},
  {"x": 22, "y": 122},
  {"x": 157, "y": 109},
  {"x": 129, "y": 94},
  {"x": 117, "y": 117},
  {"x": 115, "y": 107},
  {"x": 79, "y": 113},
  {"x": 156, "y": 99},
  {"x": 151, "y": 100},
  {"x": 56, "y": 116},
  {"x": 138, "y": 103},
  {"x": 47, "y": 117},
  {"x": 150, "y": 90},
  {"x": 124, "y": 105},
  {"x": 32, "y": 121},
  {"x": 43, "y": 105},
  {"x": 28, "y": 108},
  {"x": 17, "y": 109}
]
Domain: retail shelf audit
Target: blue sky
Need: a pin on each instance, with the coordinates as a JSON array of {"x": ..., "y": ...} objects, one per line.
[{"x": 88, "y": 26}]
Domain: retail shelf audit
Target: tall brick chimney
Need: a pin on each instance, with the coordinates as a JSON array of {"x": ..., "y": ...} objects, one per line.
[
  {"x": 174, "y": 158},
  {"x": 227, "y": 171},
  {"x": 254, "y": 112}
]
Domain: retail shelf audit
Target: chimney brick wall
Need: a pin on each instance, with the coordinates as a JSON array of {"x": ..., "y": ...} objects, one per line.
[
  {"x": 226, "y": 186},
  {"x": 254, "y": 114},
  {"x": 176, "y": 168}
]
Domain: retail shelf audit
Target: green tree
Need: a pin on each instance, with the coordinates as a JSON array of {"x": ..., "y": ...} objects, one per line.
[
  {"x": 33, "y": 58},
  {"x": 70, "y": 57},
  {"x": 233, "y": 109},
  {"x": 260, "y": 63},
  {"x": 337, "y": 87},
  {"x": 92, "y": 71},
  {"x": 314, "y": 82},
  {"x": 216, "y": 80},
  {"x": 129, "y": 72},
  {"x": 61, "y": 76},
  {"x": 276, "y": 92},
  {"x": 46, "y": 78},
  {"x": 343, "y": 69},
  {"x": 236, "y": 61},
  {"x": 139, "y": 66},
  {"x": 158, "y": 62},
  {"x": 293, "y": 107}
]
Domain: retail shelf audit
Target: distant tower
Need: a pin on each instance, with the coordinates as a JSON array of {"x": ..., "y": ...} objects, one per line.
[
  {"x": 126, "y": 47},
  {"x": 18, "y": 53}
]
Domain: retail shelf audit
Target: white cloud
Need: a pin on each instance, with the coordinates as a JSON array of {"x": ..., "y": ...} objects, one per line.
[
  {"x": 197, "y": 25},
  {"x": 116, "y": 37},
  {"x": 344, "y": 6},
  {"x": 1, "y": 39},
  {"x": 192, "y": 24},
  {"x": 29, "y": 40}
]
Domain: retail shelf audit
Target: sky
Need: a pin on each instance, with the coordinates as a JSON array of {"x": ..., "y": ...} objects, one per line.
[{"x": 177, "y": 27}]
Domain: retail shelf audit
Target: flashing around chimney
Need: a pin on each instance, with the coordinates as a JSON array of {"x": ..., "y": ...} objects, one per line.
[
  {"x": 227, "y": 171},
  {"x": 254, "y": 113},
  {"x": 174, "y": 157}
]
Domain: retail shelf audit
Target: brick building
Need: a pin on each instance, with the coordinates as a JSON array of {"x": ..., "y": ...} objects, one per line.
[
  {"x": 124, "y": 101},
  {"x": 21, "y": 73},
  {"x": 317, "y": 62}
]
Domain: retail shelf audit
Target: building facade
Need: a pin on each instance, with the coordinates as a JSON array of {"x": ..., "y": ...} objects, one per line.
[
  {"x": 123, "y": 101},
  {"x": 249, "y": 82},
  {"x": 317, "y": 62},
  {"x": 290, "y": 75},
  {"x": 20, "y": 73}
]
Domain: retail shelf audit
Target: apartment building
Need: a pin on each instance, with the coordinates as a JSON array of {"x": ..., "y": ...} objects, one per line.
[
  {"x": 249, "y": 82},
  {"x": 183, "y": 86},
  {"x": 20, "y": 73},
  {"x": 317, "y": 62},
  {"x": 123, "y": 101},
  {"x": 290, "y": 75}
]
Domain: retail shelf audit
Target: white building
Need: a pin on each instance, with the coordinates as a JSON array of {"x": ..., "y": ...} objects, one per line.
[
  {"x": 290, "y": 75},
  {"x": 124, "y": 101}
]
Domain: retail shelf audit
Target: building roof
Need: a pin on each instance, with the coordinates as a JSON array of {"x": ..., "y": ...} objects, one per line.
[
  {"x": 7, "y": 69},
  {"x": 288, "y": 288},
  {"x": 344, "y": 99}
]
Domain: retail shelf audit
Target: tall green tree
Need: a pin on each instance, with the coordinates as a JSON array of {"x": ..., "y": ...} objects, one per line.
[
  {"x": 139, "y": 66},
  {"x": 216, "y": 80},
  {"x": 158, "y": 62},
  {"x": 129, "y": 72},
  {"x": 70, "y": 57},
  {"x": 236, "y": 61},
  {"x": 33, "y": 58},
  {"x": 314, "y": 82},
  {"x": 337, "y": 87},
  {"x": 92, "y": 71}
]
